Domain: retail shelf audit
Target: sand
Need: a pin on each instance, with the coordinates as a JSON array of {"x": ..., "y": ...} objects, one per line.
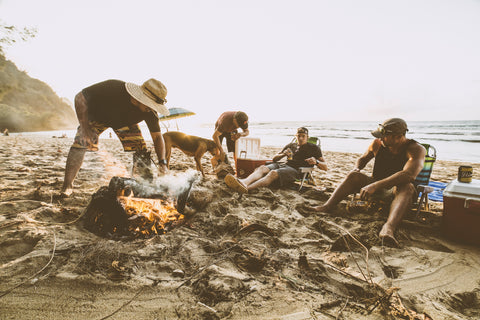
[{"x": 285, "y": 265}]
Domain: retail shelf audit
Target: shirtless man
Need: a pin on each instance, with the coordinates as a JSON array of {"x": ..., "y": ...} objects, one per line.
[{"x": 398, "y": 161}]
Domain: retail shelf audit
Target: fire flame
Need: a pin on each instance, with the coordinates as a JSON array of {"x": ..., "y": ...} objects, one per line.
[{"x": 149, "y": 216}]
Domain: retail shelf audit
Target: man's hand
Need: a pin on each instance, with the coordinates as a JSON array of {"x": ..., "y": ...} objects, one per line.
[
  {"x": 289, "y": 153},
  {"x": 311, "y": 160},
  {"x": 367, "y": 191},
  {"x": 236, "y": 136},
  {"x": 162, "y": 169}
]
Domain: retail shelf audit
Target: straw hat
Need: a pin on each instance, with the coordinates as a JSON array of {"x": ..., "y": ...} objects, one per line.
[{"x": 152, "y": 93}]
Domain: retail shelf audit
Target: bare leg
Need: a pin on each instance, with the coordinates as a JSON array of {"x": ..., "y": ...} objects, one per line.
[
  {"x": 74, "y": 163},
  {"x": 264, "y": 181},
  {"x": 259, "y": 173},
  {"x": 400, "y": 205},
  {"x": 353, "y": 182}
]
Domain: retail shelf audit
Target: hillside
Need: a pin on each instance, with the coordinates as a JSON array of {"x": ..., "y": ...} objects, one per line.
[{"x": 28, "y": 104}]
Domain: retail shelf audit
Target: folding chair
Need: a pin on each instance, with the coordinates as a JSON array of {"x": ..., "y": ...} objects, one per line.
[
  {"x": 307, "y": 171},
  {"x": 423, "y": 178}
]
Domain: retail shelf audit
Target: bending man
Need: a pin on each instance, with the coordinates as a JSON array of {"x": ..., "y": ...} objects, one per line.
[
  {"x": 120, "y": 106},
  {"x": 299, "y": 154},
  {"x": 226, "y": 127}
]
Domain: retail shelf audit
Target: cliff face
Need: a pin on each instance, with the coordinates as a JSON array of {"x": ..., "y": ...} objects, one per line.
[{"x": 28, "y": 104}]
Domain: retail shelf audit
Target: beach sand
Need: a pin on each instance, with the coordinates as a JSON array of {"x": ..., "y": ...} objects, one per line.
[{"x": 285, "y": 265}]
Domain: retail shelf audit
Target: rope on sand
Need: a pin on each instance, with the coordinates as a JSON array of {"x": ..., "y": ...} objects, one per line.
[{"x": 31, "y": 277}]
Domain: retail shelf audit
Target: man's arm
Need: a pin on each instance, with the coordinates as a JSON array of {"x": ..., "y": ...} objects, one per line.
[
  {"x": 81, "y": 108},
  {"x": 278, "y": 156},
  {"x": 159, "y": 145},
  {"x": 244, "y": 133},
  {"x": 238, "y": 135},
  {"x": 368, "y": 155}
]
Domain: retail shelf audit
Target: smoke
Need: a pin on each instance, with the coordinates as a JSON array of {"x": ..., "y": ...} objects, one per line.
[{"x": 172, "y": 185}]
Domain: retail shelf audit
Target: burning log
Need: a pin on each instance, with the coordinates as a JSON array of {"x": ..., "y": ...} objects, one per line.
[{"x": 127, "y": 208}]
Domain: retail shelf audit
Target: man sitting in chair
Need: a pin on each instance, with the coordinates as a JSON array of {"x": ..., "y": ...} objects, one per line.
[
  {"x": 398, "y": 161},
  {"x": 299, "y": 154}
]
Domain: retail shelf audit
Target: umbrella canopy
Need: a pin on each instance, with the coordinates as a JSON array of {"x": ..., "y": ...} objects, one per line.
[{"x": 176, "y": 113}]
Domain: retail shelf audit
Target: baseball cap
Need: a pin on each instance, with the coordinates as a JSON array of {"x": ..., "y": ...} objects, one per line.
[
  {"x": 394, "y": 126},
  {"x": 242, "y": 119},
  {"x": 302, "y": 130}
]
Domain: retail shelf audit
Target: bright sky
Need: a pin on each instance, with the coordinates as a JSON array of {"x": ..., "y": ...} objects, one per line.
[{"x": 274, "y": 59}]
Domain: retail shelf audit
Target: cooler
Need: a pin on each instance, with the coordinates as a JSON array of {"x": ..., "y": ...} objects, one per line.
[
  {"x": 461, "y": 211},
  {"x": 247, "y": 152}
]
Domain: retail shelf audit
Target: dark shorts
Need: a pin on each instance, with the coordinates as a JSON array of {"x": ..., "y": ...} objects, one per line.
[
  {"x": 230, "y": 142},
  {"x": 130, "y": 137},
  {"x": 286, "y": 174}
]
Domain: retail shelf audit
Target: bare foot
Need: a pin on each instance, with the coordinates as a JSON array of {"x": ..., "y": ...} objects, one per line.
[
  {"x": 66, "y": 193},
  {"x": 322, "y": 208},
  {"x": 387, "y": 237}
]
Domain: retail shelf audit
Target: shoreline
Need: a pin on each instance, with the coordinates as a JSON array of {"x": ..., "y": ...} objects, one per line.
[{"x": 292, "y": 266}]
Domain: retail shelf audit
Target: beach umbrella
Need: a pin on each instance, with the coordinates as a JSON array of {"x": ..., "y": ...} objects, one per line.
[{"x": 176, "y": 113}]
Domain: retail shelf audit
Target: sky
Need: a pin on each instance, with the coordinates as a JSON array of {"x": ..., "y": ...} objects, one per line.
[{"x": 276, "y": 60}]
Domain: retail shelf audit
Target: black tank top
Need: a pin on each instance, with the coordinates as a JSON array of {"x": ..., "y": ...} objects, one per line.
[{"x": 387, "y": 163}]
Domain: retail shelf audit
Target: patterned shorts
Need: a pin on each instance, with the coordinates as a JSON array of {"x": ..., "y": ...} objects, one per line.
[{"x": 130, "y": 137}]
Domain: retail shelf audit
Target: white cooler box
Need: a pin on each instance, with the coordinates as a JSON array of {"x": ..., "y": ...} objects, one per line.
[
  {"x": 247, "y": 151},
  {"x": 461, "y": 211}
]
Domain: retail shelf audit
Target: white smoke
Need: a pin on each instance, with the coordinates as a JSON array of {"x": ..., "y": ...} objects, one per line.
[{"x": 170, "y": 185}]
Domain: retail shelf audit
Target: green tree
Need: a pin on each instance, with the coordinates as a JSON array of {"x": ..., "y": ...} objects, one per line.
[{"x": 11, "y": 34}]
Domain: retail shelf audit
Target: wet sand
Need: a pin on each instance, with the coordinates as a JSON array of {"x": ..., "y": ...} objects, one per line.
[{"x": 258, "y": 256}]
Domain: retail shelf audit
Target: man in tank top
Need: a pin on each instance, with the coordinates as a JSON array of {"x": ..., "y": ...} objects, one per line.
[{"x": 398, "y": 161}]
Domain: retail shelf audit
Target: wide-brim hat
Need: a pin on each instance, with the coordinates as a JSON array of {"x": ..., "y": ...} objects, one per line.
[
  {"x": 151, "y": 93},
  {"x": 394, "y": 126}
]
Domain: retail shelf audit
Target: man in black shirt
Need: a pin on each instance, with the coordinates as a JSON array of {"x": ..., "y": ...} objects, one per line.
[
  {"x": 299, "y": 154},
  {"x": 121, "y": 106}
]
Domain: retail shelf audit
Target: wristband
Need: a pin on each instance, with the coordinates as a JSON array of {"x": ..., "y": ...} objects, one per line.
[{"x": 162, "y": 161}]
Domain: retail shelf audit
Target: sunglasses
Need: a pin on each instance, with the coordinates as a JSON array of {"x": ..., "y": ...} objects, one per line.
[{"x": 383, "y": 130}]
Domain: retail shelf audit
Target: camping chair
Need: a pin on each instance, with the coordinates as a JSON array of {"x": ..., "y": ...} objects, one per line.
[
  {"x": 423, "y": 178},
  {"x": 307, "y": 171}
]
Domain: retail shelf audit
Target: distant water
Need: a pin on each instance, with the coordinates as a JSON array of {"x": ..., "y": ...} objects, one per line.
[{"x": 453, "y": 140}]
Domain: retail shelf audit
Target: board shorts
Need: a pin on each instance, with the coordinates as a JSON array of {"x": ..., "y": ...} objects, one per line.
[
  {"x": 130, "y": 137},
  {"x": 286, "y": 174}
]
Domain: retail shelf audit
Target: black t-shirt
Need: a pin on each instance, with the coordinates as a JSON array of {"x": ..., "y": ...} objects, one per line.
[
  {"x": 300, "y": 153},
  {"x": 109, "y": 103}
]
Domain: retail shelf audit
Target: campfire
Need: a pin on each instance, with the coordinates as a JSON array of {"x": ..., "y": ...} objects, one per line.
[{"x": 128, "y": 208}]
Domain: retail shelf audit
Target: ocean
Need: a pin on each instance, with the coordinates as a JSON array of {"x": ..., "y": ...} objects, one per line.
[{"x": 453, "y": 140}]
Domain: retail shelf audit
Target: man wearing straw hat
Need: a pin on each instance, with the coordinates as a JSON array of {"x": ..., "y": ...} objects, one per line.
[{"x": 121, "y": 106}]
